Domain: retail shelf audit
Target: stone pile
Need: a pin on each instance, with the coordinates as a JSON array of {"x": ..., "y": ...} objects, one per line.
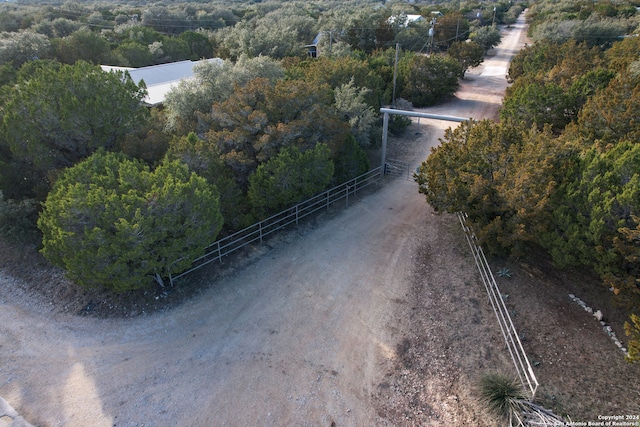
[{"x": 598, "y": 315}]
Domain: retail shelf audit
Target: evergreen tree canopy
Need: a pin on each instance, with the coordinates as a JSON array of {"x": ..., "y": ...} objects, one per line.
[
  {"x": 562, "y": 169},
  {"x": 260, "y": 119},
  {"x": 290, "y": 177},
  {"x": 468, "y": 54},
  {"x": 112, "y": 222},
  {"x": 60, "y": 114},
  {"x": 425, "y": 80}
]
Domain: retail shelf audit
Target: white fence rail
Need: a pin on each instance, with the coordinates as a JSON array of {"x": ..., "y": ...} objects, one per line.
[
  {"x": 257, "y": 232},
  {"x": 398, "y": 168},
  {"x": 516, "y": 351}
]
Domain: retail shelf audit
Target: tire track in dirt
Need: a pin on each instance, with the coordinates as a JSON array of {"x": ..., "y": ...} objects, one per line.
[
  {"x": 453, "y": 337},
  {"x": 310, "y": 333}
]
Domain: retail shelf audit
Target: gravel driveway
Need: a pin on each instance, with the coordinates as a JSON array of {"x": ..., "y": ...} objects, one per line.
[{"x": 305, "y": 335}]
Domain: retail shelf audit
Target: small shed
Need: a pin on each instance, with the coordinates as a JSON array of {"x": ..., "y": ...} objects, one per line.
[{"x": 312, "y": 49}]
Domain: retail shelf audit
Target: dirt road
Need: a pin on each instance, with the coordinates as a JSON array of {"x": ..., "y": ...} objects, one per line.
[{"x": 311, "y": 333}]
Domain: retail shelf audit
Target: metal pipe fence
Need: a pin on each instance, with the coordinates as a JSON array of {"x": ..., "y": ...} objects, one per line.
[
  {"x": 512, "y": 340},
  {"x": 398, "y": 168},
  {"x": 258, "y": 231}
]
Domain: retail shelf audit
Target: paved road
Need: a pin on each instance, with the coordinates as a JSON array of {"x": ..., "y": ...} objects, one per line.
[{"x": 299, "y": 337}]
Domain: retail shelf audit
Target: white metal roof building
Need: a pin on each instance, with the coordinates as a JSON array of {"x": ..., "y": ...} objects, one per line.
[
  {"x": 408, "y": 19},
  {"x": 160, "y": 79}
]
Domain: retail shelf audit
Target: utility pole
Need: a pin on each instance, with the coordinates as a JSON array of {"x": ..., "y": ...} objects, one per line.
[
  {"x": 431, "y": 31},
  {"x": 383, "y": 151},
  {"x": 395, "y": 74}
]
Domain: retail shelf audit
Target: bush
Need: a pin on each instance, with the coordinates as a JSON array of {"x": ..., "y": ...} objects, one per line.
[
  {"x": 289, "y": 178},
  {"x": 398, "y": 124},
  {"x": 505, "y": 397},
  {"x": 428, "y": 80},
  {"x": 502, "y": 395},
  {"x": 350, "y": 161},
  {"x": 18, "y": 219},
  {"x": 113, "y": 223},
  {"x": 632, "y": 329}
]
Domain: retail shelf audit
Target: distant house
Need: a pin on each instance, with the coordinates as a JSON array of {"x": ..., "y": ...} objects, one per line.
[
  {"x": 410, "y": 19},
  {"x": 312, "y": 49},
  {"x": 160, "y": 79},
  {"x": 414, "y": 18}
]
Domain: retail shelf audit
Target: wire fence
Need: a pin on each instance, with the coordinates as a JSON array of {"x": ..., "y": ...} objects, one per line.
[
  {"x": 514, "y": 345},
  {"x": 257, "y": 232}
]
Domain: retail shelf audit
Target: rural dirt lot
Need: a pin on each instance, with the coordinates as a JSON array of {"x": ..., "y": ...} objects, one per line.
[{"x": 373, "y": 315}]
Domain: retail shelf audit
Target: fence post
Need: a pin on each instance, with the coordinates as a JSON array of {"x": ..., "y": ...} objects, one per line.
[
  {"x": 347, "y": 196},
  {"x": 385, "y": 129},
  {"x": 333, "y": 195}
]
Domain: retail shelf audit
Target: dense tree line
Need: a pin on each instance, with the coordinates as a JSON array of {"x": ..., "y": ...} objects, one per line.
[
  {"x": 138, "y": 192},
  {"x": 56, "y": 115},
  {"x": 156, "y": 33},
  {"x": 561, "y": 170}
]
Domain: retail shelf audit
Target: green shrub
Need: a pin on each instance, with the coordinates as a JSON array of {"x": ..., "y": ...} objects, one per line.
[
  {"x": 289, "y": 178},
  {"x": 112, "y": 222},
  {"x": 18, "y": 219}
]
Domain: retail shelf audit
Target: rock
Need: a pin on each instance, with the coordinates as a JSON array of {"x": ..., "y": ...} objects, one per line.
[
  {"x": 598, "y": 315},
  {"x": 6, "y": 409},
  {"x": 588, "y": 309}
]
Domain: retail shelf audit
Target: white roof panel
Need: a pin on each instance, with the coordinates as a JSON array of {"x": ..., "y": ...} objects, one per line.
[{"x": 160, "y": 79}]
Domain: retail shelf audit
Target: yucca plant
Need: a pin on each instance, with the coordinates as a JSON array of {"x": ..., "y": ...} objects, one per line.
[
  {"x": 503, "y": 396},
  {"x": 504, "y": 272},
  {"x": 506, "y": 398}
]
